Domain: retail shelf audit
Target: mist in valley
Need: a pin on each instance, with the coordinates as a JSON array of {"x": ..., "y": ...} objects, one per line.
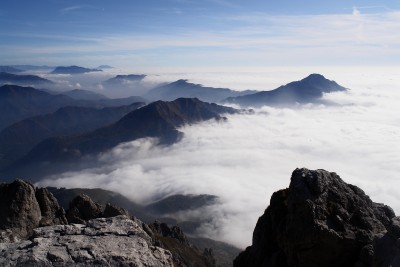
[{"x": 245, "y": 159}]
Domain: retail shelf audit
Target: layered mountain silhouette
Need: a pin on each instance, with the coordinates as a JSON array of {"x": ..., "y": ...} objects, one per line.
[
  {"x": 124, "y": 79},
  {"x": 17, "y": 103},
  {"x": 182, "y": 88},
  {"x": 9, "y": 69},
  {"x": 104, "y": 67},
  {"x": 27, "y": 80},
  {"x": 307, "y": 90},
  {"x": 100, "y": 100},
  {"x": 84, "y": 95},
  {"x": 73, "y": 70},
  {"x": 19, "y": 138},
  {"x": 157, "y": 120}
]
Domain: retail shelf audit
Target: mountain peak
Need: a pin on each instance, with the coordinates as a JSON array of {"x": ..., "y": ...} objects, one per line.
[{"x": 308, "y": 90}]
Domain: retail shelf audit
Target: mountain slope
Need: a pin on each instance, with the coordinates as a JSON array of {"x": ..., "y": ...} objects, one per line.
[
  {"x": 17, "y": 103},
  {"x": 124, "y": 79},
  {"x": 28, "y": 80},
  {"x": 307, "y": 90},
  {"x": 182, "y": 88},
  {"x": 84, "y": 95},
  {"x": 157, "y": 120},
  {"x": 17, "y": 139},
  {"x": 9, "y": 69}
]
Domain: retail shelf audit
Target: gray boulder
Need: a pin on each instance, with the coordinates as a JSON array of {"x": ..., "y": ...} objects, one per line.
[{"x": 23, "y": 207}]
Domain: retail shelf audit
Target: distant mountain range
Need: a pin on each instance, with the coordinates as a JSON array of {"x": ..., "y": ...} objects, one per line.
[
  {"x": 19, "y": 138},
  {"x": 84, "y": 95},
  {"x": 307, "y": 90},
  {"x": 24, "y": 80},
  {"x": 9, "y": 69},
  {"x": 17, "y": 103},
  {"x": 103, "y": 67},
  {"x": 99, "y": 100},
  {"x": 72, "y": 70},
  {"x": 33, "y": 67},
  {"x": 158, "y": 120},
  {"x": 124, "y": 79},
  {"x": 182, "y": 88}
]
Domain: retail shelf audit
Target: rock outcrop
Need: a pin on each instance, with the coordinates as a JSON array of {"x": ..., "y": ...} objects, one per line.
[
  {"x": 34, "y": 231},
  {"x": 23, "y": 207},
  {"x": 116, "y": 241},
  {"x": 322, "y": 221}
]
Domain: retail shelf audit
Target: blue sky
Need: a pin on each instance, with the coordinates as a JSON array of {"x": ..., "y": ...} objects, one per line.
[{"x": 216, "y": 34}]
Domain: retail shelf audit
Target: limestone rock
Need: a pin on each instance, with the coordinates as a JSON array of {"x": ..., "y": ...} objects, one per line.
[
  {"x": 117, "y": 241},
  {"x": 23, "y": 207}
]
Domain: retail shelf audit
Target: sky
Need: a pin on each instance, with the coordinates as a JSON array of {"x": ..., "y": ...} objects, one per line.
[{"x": 175, "y": 35}]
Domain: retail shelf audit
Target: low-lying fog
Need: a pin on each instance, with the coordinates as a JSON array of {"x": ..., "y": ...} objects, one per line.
[{"x": 247, "y": 158}]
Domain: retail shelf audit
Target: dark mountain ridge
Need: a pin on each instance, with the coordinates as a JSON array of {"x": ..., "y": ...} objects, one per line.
[
  {"x": 19, "y": 79},
  {"x": 157, "y": 120},
  {"x": 10, "y": 69},
  {"x": 182, "y": 88},
  {"x": 19, "y": 138},
  {"x": 17, "y": 103},
  {"x": 307, "y": 90}
]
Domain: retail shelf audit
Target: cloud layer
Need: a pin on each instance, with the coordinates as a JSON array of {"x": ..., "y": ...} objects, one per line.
[{"x": 247, "y": 158}]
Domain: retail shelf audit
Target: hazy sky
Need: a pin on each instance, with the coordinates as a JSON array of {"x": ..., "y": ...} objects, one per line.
[{"x": 199, "y": 34}]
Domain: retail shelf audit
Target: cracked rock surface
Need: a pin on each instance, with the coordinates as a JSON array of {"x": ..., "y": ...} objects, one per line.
[{"x": 116, "y": 241}]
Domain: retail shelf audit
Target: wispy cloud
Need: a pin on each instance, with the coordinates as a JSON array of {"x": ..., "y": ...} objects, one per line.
[
  {"x": 79, "y": 7},
  {"x": 71, "y": 8},
  {"x": 251, "y": 39}
]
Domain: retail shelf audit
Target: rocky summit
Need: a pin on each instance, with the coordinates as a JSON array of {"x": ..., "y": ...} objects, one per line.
[
  {"x": 322, "y": 221},
  {"x": 116, "y": 241},
  {"x": 34, "y": 231}
]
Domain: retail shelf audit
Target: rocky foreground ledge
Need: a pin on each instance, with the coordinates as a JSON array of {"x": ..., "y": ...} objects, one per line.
[
  {"x": 36, "y": 231},
  {"x": 116, "y": 241},
  {"x": 322, "y": 221}
]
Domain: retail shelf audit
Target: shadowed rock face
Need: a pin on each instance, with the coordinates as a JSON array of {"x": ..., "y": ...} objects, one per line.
[
  {"x": 322, "y": 221},
  {"x": 24, "y": 207}
]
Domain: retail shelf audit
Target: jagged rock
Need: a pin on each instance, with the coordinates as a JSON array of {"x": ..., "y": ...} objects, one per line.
[
  {"x": 23, "y": 207},
  {"x": 183, "y": 253},
  {"x": 322, "y": 221},
  {"x": 51, "y": 212},
  {"x": 112, "y": 211},
  {"x": 82, "y": 208},
  {"x": 174, "y": 232},
  {"x": 117, "y": 241}
]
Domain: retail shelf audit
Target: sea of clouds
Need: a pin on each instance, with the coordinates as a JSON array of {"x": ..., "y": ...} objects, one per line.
[{"x": 248, "y": 157}]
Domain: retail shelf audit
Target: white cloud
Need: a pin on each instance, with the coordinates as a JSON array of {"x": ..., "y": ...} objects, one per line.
[
  {"x": 247, "y": 158},
  {"x": 356, "y": 12}
]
